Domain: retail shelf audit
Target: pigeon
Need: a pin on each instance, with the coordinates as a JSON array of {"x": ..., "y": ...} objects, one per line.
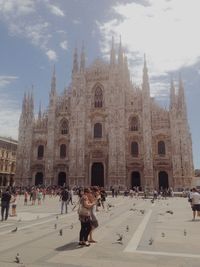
[
  {"x": 17, "y": 258},
  {"x": 57, "y": 217},
  {"x": 20, "y": 220},
  {"x": 170, "y": 212},
  {"x": 163, "y": 234},
  {"x": 71, "y": 226},
  {"x": 61, "y": 232},
  {"x": 152, "y": 201},
  {"x": 185, "y": 232},
  {"x": 134, "y": 204},
  {"x": 127, "y": 228},
  {"x": 142, "y": 211},
  {"x": 55, "y": 226},
  {"x": 151, "y": 241},
  {"x": 14, "y": 230},
  {"x": 120, "y": 238}
]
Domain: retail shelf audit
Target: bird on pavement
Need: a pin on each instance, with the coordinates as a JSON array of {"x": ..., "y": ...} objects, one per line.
[
  {"x": 127, "y": 228},
  {"x": 14, "y": 230},
  {"x": 17, "y": 258},
  {"x": 55, "y": 226},
  {"x": 185, "y": 232},
  {"x": 170, "y": 212},
  {"x": 61, "y": 232},
  {"x": 151, "y": 241},
  {"x": 119, "y": 240},
  {"x": 142, "y": 211},
  {"x": 71, "y": 226},
  {"x": 57, "y": 217},
  {"x": 163, "y": 234}
]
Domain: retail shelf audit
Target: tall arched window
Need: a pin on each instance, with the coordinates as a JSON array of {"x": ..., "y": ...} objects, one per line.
[
  {"x": 134, "y": 149},
  {"x": 161, "y": 148},
  {"x": 134, "y": 124},
  {"x": 97, "y": 130},
  {"x": 63, "y": 150},
  {"x": 98, "y": 98},
  {"x": 40, "y": 152},
  {"x": 64, "y": 127}
]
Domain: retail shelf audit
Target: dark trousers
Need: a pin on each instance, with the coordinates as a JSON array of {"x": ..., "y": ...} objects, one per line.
[
  {"x": 4, "y": 208},
  {"x": 85, "y": 230}
]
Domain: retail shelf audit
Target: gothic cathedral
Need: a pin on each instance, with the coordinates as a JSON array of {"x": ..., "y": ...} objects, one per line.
[{"x": 103, "y": 130}]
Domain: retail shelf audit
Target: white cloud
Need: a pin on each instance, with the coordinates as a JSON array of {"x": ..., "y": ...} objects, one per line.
[
  {"x": 51, "y": 55},
  {"x": 64, "y": 45},
  {"x": 9, "y": 117},
  {"x": 56, "y": 10},
  {"x": 7, "y": 79},
  {"x": 17, "y": 7},
  {"x": 76, "y": 21},
  {"x": 165, "y": 30}
]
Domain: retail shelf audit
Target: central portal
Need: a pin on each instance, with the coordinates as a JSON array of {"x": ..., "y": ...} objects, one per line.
[{"x": 97, "y": 174}]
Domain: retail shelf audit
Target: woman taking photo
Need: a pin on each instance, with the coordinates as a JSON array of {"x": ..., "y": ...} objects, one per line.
[{"x": 84, "y": 212}]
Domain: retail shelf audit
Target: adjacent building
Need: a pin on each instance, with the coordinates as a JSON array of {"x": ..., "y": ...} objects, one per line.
[
  {"x": 104, "y": 130},
  {"x": 8, "y": 149}
]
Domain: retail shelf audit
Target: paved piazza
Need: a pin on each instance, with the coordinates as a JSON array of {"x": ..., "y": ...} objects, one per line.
[{"x": 153, "y": 238}]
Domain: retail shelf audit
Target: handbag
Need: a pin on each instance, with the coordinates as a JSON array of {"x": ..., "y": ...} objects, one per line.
[{"x": 83, "y": 211}]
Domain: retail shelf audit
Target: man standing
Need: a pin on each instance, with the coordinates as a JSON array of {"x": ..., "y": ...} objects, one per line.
[
  {"x": 5, "y": 204},
  {"x": 64, "y": 198},
  {"x": 195, "y": 204}
]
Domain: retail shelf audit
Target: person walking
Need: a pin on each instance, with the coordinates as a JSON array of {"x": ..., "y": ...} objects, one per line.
[
  {"x": 195, "y": 204},
  {"x": 64, "y": 198},
  {"x": 5, "y": 204}
]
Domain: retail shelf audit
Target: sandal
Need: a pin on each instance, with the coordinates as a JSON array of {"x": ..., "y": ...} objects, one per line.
[
  {"x": 86, "y": 244},
  {"x": 92, "y": 241}
]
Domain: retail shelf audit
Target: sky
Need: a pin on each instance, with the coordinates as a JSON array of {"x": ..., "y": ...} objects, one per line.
[{"x": 36, "y": 34}]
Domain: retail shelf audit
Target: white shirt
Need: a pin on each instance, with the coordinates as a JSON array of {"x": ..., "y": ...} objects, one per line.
[{"x": 195, "y": 198}]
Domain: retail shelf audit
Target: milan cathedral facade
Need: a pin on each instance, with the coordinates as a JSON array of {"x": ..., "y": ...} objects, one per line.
[{"x": 103, "y": 130}]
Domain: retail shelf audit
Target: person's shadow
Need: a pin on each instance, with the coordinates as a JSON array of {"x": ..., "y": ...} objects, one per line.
[{"x": 69, "y": 246}]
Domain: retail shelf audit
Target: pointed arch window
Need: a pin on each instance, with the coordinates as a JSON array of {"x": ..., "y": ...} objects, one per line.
[
  {"x": 40, "y": 152},
  {"x": 98, "y": 98},
  {"x": 64, "y": 127},
  {"x": 97, "y": 130},
  {"x": 134, "y": 149},
  {"x": 63, "y": 151},
  {"x": 134, "y": 124},
  {"x": 161, "y": 148}
]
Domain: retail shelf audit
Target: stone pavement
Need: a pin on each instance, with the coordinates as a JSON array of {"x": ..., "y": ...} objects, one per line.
[{"x": 153, "y": 237}]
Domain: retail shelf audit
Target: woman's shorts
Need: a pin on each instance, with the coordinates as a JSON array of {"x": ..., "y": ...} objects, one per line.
[
  {"x": 196, "y": 207},
  {"x": 94, "y": 224}
]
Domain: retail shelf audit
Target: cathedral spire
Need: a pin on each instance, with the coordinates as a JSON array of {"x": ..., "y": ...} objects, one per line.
[
  {"x": 82, "y": 62},
  {"x": 172, "y": 94},
  {"x": 181, "y": 98},
  {"x": 24, "y": 104},
  {"x": 40, "y": 112},
  {"x": 32, "y": 101},
  {"x": 112, "y": 53},
  {"x": 75, "y": 62},
  {"x": 53, "y": 81},
  {"x": 145, "y": 84},
  {"x": 120, "y": 53}
]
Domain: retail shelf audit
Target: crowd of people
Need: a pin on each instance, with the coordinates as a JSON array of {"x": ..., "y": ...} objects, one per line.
[{"x": 90, "y": 199}]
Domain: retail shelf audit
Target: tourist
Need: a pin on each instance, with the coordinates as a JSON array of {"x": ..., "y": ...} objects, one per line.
[
  {"x": 195, "y": 204},
  {"x": 94, "y": 222},
  {"x": 84, "y": 212},
  {"x": 14, "y": 204},
  {"x": 5, "y": 204},
  {"x": 25, "y": 198},
  {"x": 64, "y": 198}
]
